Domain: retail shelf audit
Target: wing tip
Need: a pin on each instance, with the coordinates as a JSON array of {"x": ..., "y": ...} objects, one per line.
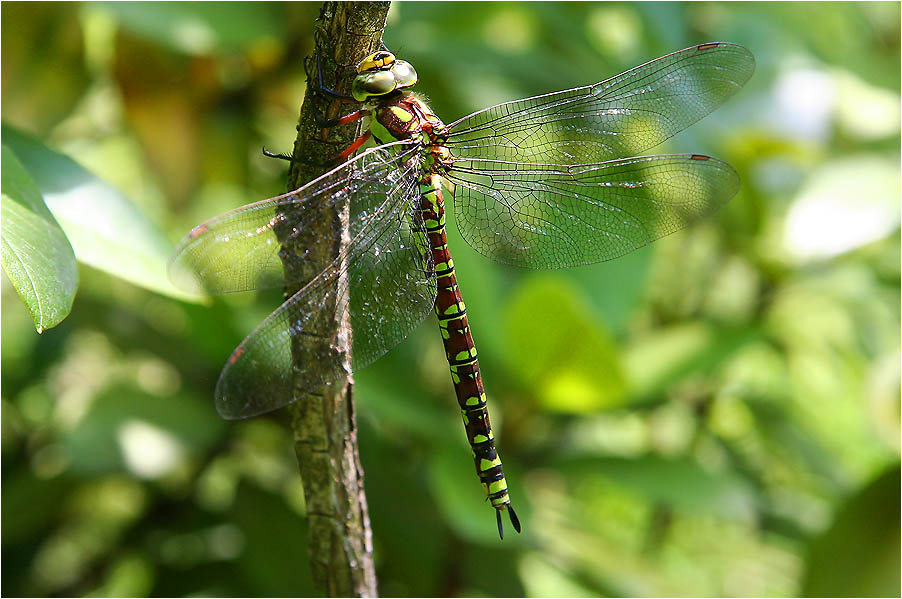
[{"x": 737, "y": 49}]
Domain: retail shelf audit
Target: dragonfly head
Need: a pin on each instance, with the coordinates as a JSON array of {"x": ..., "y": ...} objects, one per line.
[{"x": 380, "y": 74}]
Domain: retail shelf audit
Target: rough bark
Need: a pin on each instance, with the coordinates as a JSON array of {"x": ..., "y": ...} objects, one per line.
[{"x": 324, "y": 421}]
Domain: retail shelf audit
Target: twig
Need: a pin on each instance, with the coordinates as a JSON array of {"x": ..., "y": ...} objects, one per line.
[{"x": 324, "y": 422}]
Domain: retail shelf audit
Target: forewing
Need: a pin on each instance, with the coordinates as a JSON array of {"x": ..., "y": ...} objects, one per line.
[
  {"x": 547, "y": 216},
  {"x": 244, "y": 249},
  {"x": 383, "y": 286},
  {"x": 616, "y": 118}
]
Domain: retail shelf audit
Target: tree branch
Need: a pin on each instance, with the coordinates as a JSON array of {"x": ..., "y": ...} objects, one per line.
[{"x": 324, "y": 423}]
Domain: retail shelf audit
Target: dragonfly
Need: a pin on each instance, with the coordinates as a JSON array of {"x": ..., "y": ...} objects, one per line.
[{"x": 551, "y": 181}]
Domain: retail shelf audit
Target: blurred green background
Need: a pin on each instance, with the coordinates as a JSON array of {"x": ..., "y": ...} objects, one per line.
[{"x": 716, "y": 415}]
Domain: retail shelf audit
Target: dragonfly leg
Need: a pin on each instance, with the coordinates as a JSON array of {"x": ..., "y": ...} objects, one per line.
[
  {"x": 351, "y": 117},
  {"x": 340, "y": 157},
  {"x": 280, "y": 156},
  {"x": 353, "y": 147},
  {"x": 320, "y": 87}
]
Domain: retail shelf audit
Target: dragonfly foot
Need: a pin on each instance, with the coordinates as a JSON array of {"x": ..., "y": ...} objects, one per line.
[
  {"x": 296, "y": 160},
  {"x": 280, "y": 156}
]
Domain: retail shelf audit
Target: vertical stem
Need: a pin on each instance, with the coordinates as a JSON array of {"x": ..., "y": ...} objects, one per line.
[{"x": 324, "y": 421}]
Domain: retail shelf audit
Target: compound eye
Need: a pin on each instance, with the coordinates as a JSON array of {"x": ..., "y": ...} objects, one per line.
[
  {"x": 374, "y": 83},
  {"x": 405, "y": 75}
]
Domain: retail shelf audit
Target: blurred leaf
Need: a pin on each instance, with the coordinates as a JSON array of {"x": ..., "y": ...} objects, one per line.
[
  {"x": 274, "y": 561},
  {"x": 543, "y": 579},
  {"x": 36, "y": 255},
  {"x": 400, "y": 507},
  {"x": 854, "y": 201},
  {"x": 557, "y": 348},
  {"x": 106, "y": 230},
  {"x": 129, "y": 576},
  {"x": 614, "y": 288},
  {"x": 45, "y": 72},
  {"x": 670, "y": 355},
  {"x": 30, "y": 505},
  {"x": 201, "y": 27},
  {"x": 775, "y": 423},
  {"x": 858, "y": 556},
  {"x": 127, "y": 427},
  {"x": 390, "y": 400},
  {"x": 679, "y": 483}
]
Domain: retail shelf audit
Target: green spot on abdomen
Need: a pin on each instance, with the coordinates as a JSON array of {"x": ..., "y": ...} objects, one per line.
[
  {"x": 497, "y": 486},
  {"x": 489, "y": 464}
]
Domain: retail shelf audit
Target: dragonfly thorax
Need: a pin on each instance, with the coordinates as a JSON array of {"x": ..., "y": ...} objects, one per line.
[
  {"x": 404, "y": 116},
  {"x": 380, "y": 74}
]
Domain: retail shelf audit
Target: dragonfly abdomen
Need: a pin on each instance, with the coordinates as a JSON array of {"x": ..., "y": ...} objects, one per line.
[{"x": 460, "y": 351}]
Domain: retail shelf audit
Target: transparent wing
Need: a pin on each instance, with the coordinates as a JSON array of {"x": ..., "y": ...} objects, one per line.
[
  {"x": 383, "y": 286},
  {"x": 551, "y": 216},
  {"x": 244, "y": 249},
  {"x": 616, "y": 118}
]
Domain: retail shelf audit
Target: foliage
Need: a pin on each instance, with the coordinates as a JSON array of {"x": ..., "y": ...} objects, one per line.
[
  {"x": 708, "y": 416},
  {"x": 37, "y": 256}
]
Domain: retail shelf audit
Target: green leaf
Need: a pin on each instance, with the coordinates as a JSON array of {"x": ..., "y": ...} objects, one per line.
[
  {"x": 858, "y": 556},
  {"x": 558, "y": 349},
  {"x": 36, "y": 255},
  {"x": 105, "y": 229}
]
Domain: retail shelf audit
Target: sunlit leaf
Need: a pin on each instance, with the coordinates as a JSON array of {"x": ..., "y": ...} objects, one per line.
[
  {"x": 36, "y": 255},
  {"x": 558, "y": 350},
  {"x": 848, "y": 203},
  {"x": 130, "y": 576},
  {"x": 105, "y": 229}
]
